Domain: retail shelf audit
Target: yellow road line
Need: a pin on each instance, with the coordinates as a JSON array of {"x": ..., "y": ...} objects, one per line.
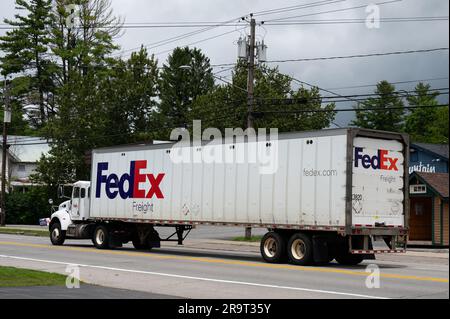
[{"x": 222, "y": 261}]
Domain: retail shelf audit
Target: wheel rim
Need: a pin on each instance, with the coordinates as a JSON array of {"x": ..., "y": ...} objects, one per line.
[
  {"x": 298, "y": 249},
  {"x": 55, "y": 233},
  {"x": 100, "y": 236},
  {"x": 270, "y": 247}
]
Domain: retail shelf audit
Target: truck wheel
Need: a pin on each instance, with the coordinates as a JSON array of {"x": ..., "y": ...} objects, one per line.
[
  {"x": 138, "y": 245},
  {"x": 101, "y": 237},
  {"x": 300, "y": 249},
  {"x": 349, "y": 259},
  {"x": 57, "y": 236},
  {"x": 273, "y": 247}
]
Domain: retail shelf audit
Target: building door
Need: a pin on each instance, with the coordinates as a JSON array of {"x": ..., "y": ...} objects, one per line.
[{"x": 420, "y": 218}]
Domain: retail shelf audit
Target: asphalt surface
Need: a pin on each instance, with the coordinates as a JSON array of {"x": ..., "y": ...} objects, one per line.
[
  {"x": 205, "y": 268},
  {"x": 83, "y": 292}
]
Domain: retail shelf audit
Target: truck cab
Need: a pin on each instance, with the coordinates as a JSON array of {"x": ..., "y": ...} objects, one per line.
[
  {"x": 71, "y": 211},
  {"x": 79, "y": 208}
]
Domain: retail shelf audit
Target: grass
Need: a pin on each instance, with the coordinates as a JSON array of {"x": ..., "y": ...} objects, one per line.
[
  {"x": 251, "y": 239},
  {"x": 26, "y": 232},
  {"x": 16, "y": 277}
]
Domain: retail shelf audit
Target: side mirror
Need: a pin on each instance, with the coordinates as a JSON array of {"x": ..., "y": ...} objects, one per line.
[
  {"x": 60, "y": 191},
  {"x": 50, "y": 201}
]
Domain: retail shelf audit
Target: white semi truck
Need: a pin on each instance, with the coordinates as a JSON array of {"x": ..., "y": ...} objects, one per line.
[{"x": 330, "y": 194}]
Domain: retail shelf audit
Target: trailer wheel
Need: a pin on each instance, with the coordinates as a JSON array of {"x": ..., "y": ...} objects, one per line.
[
  {"x": 349, "y": 259},
  {"x": 138, "y": 245},
  {"x": 101, "y": 237},
  {"x": 273, "y": 247},
  {"x": 300, "y": 249},
  {"x": 57, "y": 236}
]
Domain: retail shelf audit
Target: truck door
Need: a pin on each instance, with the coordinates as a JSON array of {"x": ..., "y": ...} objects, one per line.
[
  {"x": 75, "y": 210},
  {"x": 84, "y": 202}
]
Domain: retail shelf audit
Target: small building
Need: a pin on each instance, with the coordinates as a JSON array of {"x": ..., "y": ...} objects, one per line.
[
  {"x": 428, "y": 216},
  {"x": 428, "y": 158},
  {"x": 23, "y": 154}
]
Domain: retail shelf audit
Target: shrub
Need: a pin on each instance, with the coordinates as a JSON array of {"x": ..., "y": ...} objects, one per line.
[{"x": 25, "y": 208}]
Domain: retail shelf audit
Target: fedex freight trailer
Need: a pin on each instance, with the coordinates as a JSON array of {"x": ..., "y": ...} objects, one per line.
[{"x": 331, "y": 194}]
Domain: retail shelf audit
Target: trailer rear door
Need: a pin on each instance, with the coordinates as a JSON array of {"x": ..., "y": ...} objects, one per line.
[{"x": 378, "y": 182}]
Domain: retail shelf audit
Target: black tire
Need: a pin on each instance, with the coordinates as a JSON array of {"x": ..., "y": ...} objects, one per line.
[
  {"x": 57, "y": 236},
  {"x": 140, "y": 246},
  {"x": 300, "y": 249},
  {"x": 273, "y": 248},
  {"x": 349, "y": 259},
  {"x": 101, "y": 237}
]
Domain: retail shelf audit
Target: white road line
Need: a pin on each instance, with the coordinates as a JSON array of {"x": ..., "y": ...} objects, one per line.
[{"x": 197, "y": 278}]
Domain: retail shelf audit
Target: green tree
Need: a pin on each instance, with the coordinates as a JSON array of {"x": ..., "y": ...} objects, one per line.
[
  {"x": 384, "y": 112},
  {"x": 186, "y": 75},
  {"x": 18, "y": 90},
  {"x": 440, "y": 127},
  {"x": 425, "y": 124},
  {"x": 131, "y": 91},
  {"x": 86, "y": 42},
  {"x": 26, "y": 49},
  {"x": 226, "y": 105},
  {"x": 83, "y": 117}
]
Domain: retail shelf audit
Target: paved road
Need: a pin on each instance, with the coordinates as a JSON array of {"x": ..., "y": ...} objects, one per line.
[
  {"x": 85, "y": 291},
  {"x": 196, "y": 270}
]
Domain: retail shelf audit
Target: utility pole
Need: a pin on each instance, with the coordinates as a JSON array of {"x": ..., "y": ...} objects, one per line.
[
  {"x": 6, "y": 120},
  {"x": 250, "y": 88},
  {"x": 251, "y": 70}
]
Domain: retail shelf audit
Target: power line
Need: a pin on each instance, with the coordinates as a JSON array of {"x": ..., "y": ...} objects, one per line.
[
  {"x": 332, "y": 11},
  {"x": 150, "y": 25},
  {"x": 356, "y": 21},
  {"x": 296, "y": 7},
  {"x": 397, "y": 82},
  {"x": 203, "y": 40},
  {"x": 352, "y": 109},
  {"x": 345, "y": 56},
  {"x": 359, "y": 55},
  {"x": 286, "y": 112},
  {"x": 177, "y": 38}
]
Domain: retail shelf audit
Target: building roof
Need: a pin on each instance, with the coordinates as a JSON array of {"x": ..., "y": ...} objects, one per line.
[
  {"x": 437, "y": 181},
  {"x": 438, "y": 149},
  {"x": 32, "y": 150}
]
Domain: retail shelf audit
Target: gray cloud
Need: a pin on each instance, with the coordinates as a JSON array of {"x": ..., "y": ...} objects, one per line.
[{"x": 304, "y": 41}]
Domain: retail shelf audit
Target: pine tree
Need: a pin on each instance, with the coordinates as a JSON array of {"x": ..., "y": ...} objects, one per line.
[
  {"x": 384, "y": 112},
  {"x": 424, "y": 123},
  {"x": 26, "y": 53},
  {"x": 186, "y": 76}
]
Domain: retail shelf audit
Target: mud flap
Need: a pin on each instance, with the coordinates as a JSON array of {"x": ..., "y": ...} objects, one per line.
[
  {"x": 154, "y": 241},
  {"x": 115, "y": 242},
  {"x": 320, "y": 249}
]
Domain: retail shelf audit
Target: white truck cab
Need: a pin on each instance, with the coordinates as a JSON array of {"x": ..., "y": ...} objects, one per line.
[{"x": 74, "y": 209}]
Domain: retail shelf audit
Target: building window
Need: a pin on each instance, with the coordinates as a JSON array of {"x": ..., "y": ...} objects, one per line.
[
  {"x": 418, "y": 189},
  {"x": 21, "y": 168}
]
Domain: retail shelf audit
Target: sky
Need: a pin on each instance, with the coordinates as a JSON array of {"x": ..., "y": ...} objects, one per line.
[{"x": 302, "y": 40}]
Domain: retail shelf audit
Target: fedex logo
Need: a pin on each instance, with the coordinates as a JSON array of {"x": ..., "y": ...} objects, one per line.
[
  {"x": 115, "y": 185},
  {"x": 380, "y": 161}
]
